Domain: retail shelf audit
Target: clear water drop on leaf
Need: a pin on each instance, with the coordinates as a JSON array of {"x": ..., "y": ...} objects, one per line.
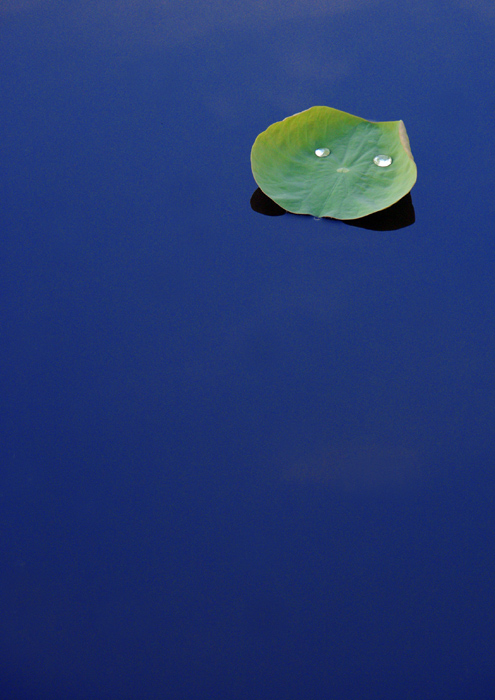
[
  {"x": 322, "y": 152},
  {"x": 382, "y": 161}
]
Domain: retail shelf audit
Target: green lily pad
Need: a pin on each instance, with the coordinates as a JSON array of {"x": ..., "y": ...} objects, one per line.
[{"x": 325, "y": 162}]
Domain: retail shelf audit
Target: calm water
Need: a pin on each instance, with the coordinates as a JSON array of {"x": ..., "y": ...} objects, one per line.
[{"x": 242, "y": 457}]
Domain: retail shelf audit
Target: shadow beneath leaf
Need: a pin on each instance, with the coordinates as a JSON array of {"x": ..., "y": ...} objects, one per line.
[{"x": 397, "y": 216}]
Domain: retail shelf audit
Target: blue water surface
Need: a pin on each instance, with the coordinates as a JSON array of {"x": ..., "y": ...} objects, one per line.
[{"x": 242, "y": 457}]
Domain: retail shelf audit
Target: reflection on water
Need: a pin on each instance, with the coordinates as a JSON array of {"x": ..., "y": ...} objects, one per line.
[{"x": 356, "y": 467}]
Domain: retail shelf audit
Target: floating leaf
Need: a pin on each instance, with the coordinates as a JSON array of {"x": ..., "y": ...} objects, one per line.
[{"x": 325, "y": 162}]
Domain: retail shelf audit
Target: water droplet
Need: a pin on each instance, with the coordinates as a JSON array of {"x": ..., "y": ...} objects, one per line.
[
  {"x": 342, "y": 170},
  {"x": 322, "y": 152},
  {"x": 382, "y": 161}
]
